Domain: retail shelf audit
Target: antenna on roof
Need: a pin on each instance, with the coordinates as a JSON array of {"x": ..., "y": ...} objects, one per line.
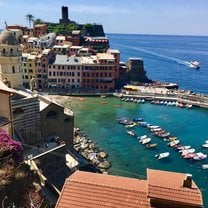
[{"x": 5, "y": 22}]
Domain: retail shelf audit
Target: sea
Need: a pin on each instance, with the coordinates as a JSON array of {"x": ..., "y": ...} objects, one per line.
[{"x": 166, "y": 58}]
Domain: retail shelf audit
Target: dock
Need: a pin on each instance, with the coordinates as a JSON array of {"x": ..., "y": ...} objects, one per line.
[{"x": 150, "y": 93}]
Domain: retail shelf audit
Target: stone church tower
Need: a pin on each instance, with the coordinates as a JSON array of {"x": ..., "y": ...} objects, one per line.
[{"x": 10, "y": 59}]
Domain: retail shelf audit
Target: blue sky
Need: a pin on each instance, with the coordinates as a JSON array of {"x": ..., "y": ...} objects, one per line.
[{"x": 182, "y": 17}]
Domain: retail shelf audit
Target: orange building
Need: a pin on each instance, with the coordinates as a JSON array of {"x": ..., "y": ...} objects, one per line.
[{"x": 162, "y": 189}]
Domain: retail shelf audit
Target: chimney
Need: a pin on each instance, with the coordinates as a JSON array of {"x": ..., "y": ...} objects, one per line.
[{"x": 187, "y": 181}]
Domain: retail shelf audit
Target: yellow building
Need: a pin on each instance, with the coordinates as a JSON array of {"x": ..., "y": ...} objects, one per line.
[
  {"x": 10, "y": 53},
  {"x": 28, "y": 68},
  {"x": 5, "y": 109}
]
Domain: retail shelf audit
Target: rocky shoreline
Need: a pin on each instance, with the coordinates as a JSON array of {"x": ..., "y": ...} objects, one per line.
[{"x": 90, "y": 151}]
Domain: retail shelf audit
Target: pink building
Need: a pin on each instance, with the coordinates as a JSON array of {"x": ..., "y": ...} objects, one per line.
[
  {"x": 65, "y": 72},
  {"x": 42, "y": 63}
]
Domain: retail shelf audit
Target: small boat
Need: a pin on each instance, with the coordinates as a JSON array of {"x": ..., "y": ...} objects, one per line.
[
  {"x": 132, "y": 133},
  {"x": 145, "y": 141},
  {"x": 142, "y": 137},
  {"x": 143, "y": 123},
  {"x": 188, "y": 105},
  {"x": 131, "y": 125},
  {"x": 205, "y": 145},
  {"x": 173, "y": 143},
  {"x": 153, "y": 127},
  {"x": 183, "y": 152},
  {"x": 162, "y": 135},
  {"x": 205, "y": 166},
  {"x": 170, "y": 139},
  {"x": 137, "y": 119},
  {"x": 189, "y": 155},
  {"x": 200, "y": 156},
  {"x": 183, "y": 147},
  {"x": 156, "y": 129},
  {"x": 151, "y": 145},
  {"x": 162, "y": 155},
  {"x": 194, "y": 64}
]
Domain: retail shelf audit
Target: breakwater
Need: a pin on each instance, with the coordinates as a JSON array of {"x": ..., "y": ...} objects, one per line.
[{"x": 152, "y": 93}]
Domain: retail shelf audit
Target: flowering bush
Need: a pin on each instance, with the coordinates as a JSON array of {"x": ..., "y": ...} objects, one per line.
[{"x": 9, "y": 146}]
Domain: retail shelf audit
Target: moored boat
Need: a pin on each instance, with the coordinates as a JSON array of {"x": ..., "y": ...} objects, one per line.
[
  {"x": 151, "y": 145},
  {"x": 162, "y": 155},
  {"x": 205, "y": 145},
  {"x": 173, "y": 143},
  {"x": 142, "y": 137},
  {"x": 205, "y": 166},
  {"x": 183, "y": 147},
  {"x": 200, "y": 156},
  {"x": 145, "y": 141},
  {"x": 131, "y": 133}
]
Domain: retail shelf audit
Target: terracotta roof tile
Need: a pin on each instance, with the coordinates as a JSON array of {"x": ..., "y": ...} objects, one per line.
[
  {"x": 84, "y": 189},
  {"x": 169, "y": 186}
]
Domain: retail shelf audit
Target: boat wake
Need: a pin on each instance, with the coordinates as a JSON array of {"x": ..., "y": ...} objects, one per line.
[{"x": 163, "y": 57}]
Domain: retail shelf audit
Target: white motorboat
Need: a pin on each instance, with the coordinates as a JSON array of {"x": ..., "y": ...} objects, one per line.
[
  {"x": 162, "y": 155},
  {"x": 131, "y": 133},
  {"x": 205, "y": 166},
  {"x": 145, "y": 141},
  {"x": 186, "y": 151},
  {"x": 184, "y": 147},
  {"x": 200, "y": 156},
  {"x": 140, "y": 138},
  {"x": 195, "y": 64},
  {"x": 173, "y": 143},
  {"x": 205, "y": 145}
]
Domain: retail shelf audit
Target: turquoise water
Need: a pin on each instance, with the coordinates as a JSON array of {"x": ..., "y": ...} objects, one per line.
[{"x": 129, "y": 157}]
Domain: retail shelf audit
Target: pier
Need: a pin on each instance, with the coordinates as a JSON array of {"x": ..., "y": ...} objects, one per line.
[{"x": 155, "y": 93}]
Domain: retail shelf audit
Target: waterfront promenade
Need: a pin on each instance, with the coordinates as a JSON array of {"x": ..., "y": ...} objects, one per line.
[{"x": 155, "y": 93}]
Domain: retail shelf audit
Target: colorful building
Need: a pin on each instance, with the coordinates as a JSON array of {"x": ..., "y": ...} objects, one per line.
[
  {"x": 10, "y": 63},
  {"x": 6, "y": 118},
  {"x": 65, "y": 72},
  {"x": 28, "y": 67},
  {"x": 42, "y": 61}
]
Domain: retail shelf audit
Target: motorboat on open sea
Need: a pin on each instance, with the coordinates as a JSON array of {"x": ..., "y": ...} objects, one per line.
[{"x": 194, "y": 64}]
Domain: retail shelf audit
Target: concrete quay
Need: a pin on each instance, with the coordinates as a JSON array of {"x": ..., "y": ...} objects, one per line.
[{"x": 154, "y": 93}]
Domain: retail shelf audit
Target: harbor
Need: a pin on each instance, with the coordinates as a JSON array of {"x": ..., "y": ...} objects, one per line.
[
  {"x": 128, "y": 156},
  {"x": 150, "y": 93}
]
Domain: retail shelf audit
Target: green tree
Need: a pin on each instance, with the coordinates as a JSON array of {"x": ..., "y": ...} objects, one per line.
[
  {"x": 63, "y": 29},
  {"x": 38, "y": 21},
  {"x": 30, "y": 19}
]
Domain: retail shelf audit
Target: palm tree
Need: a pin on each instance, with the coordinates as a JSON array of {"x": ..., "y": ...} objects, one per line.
[{"x": 29, "y": 18}]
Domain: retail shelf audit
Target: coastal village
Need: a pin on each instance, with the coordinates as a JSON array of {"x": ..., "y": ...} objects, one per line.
[{"x": 47, "y": 161}]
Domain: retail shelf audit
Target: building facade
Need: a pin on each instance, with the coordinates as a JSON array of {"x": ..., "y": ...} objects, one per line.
[
  {"x": 6, "y": 119},
  {"x": 10, "y": 59}
]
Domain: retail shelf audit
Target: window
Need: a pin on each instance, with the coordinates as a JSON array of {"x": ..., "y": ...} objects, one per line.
[
  {"x": 13, "y": 69},
  {"x": 51, "y": 114},
  {"x": 67, "y": 120},
  {"x": 18, "y": 111}
]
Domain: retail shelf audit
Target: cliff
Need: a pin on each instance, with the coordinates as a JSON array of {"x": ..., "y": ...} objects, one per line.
[{"x": 132, "y": 72}]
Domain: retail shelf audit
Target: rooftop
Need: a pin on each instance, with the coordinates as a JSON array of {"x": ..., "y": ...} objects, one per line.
[
  {"x": 7, "y": 37},
  {"x": 4, "y": 88},
  {"x": 85, "y": 189},
  {"x": 168, "y": 186},
  {"x": 67, "y": 60}
]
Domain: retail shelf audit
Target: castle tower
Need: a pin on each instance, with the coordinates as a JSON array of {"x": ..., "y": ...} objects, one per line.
[
  {"x": 65, "y": 17},
  {"x": 10, "y": 55}
]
